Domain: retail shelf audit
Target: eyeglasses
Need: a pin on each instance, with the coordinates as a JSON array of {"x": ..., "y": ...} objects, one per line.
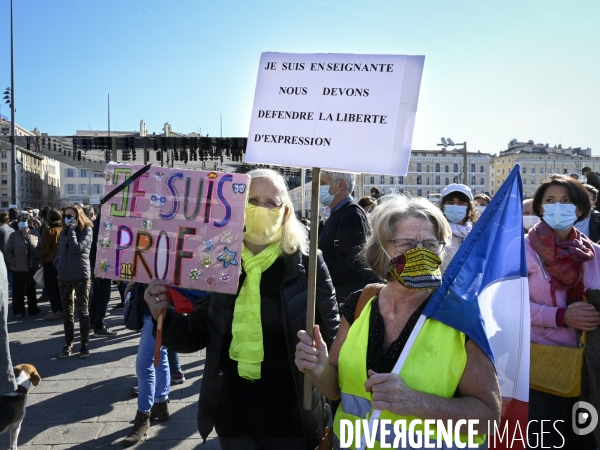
[
  {"x": 404, "y": 245},
  {"x": 269, "y": 204},
  {"x": 69, "y": 216}
]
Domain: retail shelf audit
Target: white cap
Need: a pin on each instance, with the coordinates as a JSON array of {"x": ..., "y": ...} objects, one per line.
[{"x": 455, "y": 187}]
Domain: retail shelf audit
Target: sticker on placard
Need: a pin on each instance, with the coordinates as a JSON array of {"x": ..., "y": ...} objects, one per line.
[
  {"x": 226, "y": 237},
  {"x": 195, "y": 274},
  {"x": 228, "y": 258}
]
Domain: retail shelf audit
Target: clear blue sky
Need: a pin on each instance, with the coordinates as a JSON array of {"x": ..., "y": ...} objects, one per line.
[{"x": 493, "y": 70}]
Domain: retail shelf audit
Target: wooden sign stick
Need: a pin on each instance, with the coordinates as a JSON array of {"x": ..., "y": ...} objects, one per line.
[
  {"x": 312, "y": 274},
  {"x": 158, "y": 345}
]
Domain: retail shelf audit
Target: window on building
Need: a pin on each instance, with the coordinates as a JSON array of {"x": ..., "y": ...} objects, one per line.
[
  {"x": 70, "y": 173},
  {"x": 83, "y": 173},
  {"x": 473, "y": 180},
  {"x": 83, "y": 189},
  {"x": 427, "y": 181},
  {"x": 4, "y": 204},
  {"x": 447, "y": 181},
  {"x": 437, "y": 179},
  {"x": 4, "y": 167},
  {"x": 5, "y": 179},
  {"x": 549, "y": 169},
  {"x": 533, "y": 181},
  {"x": 427, "y": 168},
  {"x": 418, "y": 179},
  {"x": 419, "y": 192},
  {"x": 418, "y": 167},
  {"x": 4, "y": 192},
  {"x": 98, "y": 175},
  {"x": 3, "y": 154},
  {"x": 446, "y": 169},
  {"x": 492, "y": 183},
  {"x": 565, "y": 171},
  {"x": 372, "y": 180},
  {"x": 437, "y": 167},
  {"x": 382, "y": 179},
  {"x": 455, "y": 167},
  {"x": 70, "y": 188},
  {"x": 524, "y": 169},
  {"x": 524, "y": 181},
  {"x": 482, "y": 181},
  {"x": 400, "y": 180},
  {"x": 96, "y": 189},
  {"x": 532, "y": 169},
  {"x": 502, "y": 171},
  {"x": 391, "y": 180},
  {"x": 481, "y": 169},
  {"x": 472, "y": 167}
]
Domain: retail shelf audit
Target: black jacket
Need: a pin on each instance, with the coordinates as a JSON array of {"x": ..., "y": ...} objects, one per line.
[
  {"x": 341, "y": 241},
  {"x": 210, "y": 322},
  {"x": 594, "y": 226}
]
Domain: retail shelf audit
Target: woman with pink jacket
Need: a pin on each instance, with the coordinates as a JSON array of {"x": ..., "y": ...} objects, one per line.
[{"x": 562, "y": 264}]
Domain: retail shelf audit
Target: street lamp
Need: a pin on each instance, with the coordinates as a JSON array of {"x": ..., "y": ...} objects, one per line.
[
  {"x": 450, "y": 143},
  {"x": 13, "y": 147}
]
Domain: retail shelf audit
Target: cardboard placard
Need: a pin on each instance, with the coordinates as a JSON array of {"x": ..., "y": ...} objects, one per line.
[
  {"x": 185, "y": 226},
  {"x": 343, "y": 112}
]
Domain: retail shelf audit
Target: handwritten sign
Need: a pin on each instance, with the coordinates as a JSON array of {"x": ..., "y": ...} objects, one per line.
[
  {"x": 335, "y": 111},
  {"x": 185, "y": 226}
]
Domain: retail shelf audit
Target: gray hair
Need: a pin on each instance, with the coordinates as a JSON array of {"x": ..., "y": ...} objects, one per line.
[
  {"x": 385, "y": 217},
  {"x": 294, "y": 234},
  {"x": 349, "y": 178}
]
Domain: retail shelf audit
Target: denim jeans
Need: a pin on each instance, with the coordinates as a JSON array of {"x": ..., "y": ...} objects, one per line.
[
  {"x": 174, "y": 365},
  {"x": 154, "y": 383}
]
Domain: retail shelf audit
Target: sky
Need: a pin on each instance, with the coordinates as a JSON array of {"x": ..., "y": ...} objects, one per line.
[{"x": 493, "y": 70}]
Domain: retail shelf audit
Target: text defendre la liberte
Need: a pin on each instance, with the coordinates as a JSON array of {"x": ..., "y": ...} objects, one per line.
[{"x": 324, "y": 116}]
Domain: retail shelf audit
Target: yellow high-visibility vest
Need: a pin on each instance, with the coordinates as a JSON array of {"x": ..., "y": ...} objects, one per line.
[{"x": 435, "y": 365}]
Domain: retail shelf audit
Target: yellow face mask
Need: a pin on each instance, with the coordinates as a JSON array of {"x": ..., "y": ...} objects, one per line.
[{"x": 263, "y": 226}]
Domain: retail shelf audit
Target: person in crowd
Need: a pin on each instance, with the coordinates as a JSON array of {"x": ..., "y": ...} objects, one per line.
[
  {"x": 13, "y": 213},
  {"x": 89, "y": 212},
  {"x": 177, "y": 375},
  {"x": 5, "y": 232},
  {"x": 23, "y": 258},
  {"x": 247, "y": 369},
  {"x": 590, "y": 226},
  {"x": 44, "y": 220},
  {"x": 562, "y": 265},
  {"x": 529, "y": 218},
  {"x": 368, "y": 204},
  {"x": 48, "y": 255},
  {"x": 592, "y": 178},
  {"x": 153, "y": 383},
  {"x": 74, "y": 273},
  {"x": 375, "y": 192},
  {"x": 446, "y": 375},
  {"x": 344, "y": 234},
  {"x": 304, "y": 221},
  {"x": 7, "y": 375},
  {"x": 101, "y": 289},
  {"x": 457, "y": 206},
  {"x": 481, "y": 202},
  {"x": 575, "y": 176}
]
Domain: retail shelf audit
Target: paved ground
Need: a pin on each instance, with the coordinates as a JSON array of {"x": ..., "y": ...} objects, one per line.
[{"x": 86, "y": 403}]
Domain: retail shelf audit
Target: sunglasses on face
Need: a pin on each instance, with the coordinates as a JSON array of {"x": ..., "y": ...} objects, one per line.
[{"x": 69, "y": 216}]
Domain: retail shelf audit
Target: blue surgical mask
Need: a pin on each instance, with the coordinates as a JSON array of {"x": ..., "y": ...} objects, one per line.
[
  {"x": 22, "y": 225},
  {"x": 67, "y": 221},
  {"x": 324, "y": 196},
  {"x": 455, "y": 213},
  {"x": 559, "y": 216}
]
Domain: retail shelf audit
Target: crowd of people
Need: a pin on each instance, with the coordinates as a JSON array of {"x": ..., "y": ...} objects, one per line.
[{"x": 378, "y": 263}]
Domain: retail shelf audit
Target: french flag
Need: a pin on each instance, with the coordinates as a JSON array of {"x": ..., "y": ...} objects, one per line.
[
  {"x": 185, "y": 299},
  {"x": 485, "y": 294}
]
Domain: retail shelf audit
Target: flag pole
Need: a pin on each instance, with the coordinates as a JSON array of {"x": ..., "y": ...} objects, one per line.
[{"x": 312, "y": 275}]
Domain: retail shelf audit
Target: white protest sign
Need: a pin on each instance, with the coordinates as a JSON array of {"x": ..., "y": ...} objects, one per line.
[{"x": 335, "y": 111}]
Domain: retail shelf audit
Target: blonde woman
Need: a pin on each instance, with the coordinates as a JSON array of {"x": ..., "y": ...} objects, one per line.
[
  {"x": 74, "y": 273},
  {"x": 251, "y": 393}
]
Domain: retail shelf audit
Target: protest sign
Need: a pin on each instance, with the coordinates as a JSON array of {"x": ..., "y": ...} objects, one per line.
[
  {"x": 343, "y": 112},
  {"x": 185, "y": 226}
]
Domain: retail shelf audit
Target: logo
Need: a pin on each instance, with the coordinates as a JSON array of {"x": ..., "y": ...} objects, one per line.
[{"x": 584, "y": 418}]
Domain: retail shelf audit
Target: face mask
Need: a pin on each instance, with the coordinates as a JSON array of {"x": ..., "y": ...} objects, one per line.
[
  {"x": 263, "y": 226},
  {"x": 324, "y": 196},
  {"x": 418, "y": 268},
  {"x": 559, "y": 216},
  {"x": 67, "y": 221},
  {"x": 530, "y": 221},
  {"x": 481, "y": 209},
  {"x": 455, "y": 213},
  {"x": 22, "y": 225}
]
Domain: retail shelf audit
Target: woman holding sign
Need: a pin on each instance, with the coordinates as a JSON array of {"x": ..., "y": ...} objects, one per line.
[
  {"x": 445, "y": 376},
  {"x": 251, "y": 393}
]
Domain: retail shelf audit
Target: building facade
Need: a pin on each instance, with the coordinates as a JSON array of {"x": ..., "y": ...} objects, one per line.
[
  {"x": 430, "y": 171},
  {"x": 538, "y": 161}
]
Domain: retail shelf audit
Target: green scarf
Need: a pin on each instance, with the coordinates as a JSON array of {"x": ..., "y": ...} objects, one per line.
[{"x": 247, "y": 343}]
